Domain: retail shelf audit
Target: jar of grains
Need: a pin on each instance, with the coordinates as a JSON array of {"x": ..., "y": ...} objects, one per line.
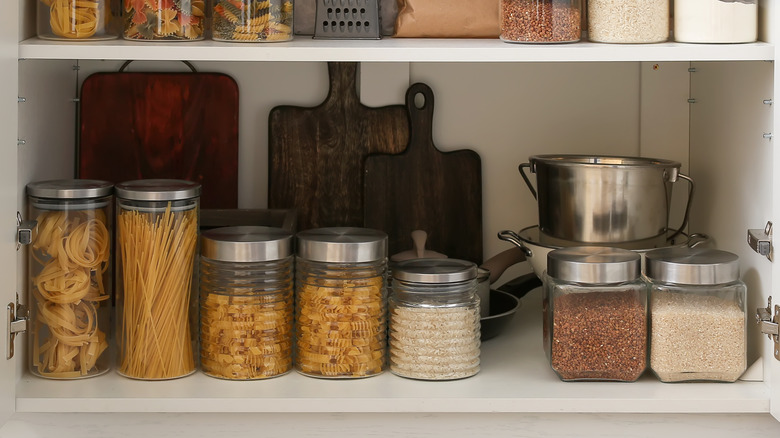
[
  {"x": 716, "y": 21},
  {"x": 540, "y": 21},
  {"x": 75, "y": 20},
  {"x": 246, "y": 302},
  {"x": 597, "y": 305},
  {"x": 434, "y": 319},
  {"x": 252, "y": 20},
  {"x": 164, "y": 20},
  {"x": 698, "y": 316},
  {"x": 156, "y": 301},
  {"x": 340, "y": 302},
  {"x": 70, "y": 272},
  {"x": 628, "y": 21}
]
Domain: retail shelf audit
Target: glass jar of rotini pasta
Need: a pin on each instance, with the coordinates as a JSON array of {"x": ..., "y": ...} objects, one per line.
[
  {"x": 75, "y": 20},
  {"x": 156, "y": 299},
  {"x": 70, "y": 268},
  {"x": 434, "y": 319},
  {"x": 252, "y": 20},
  {"x": 164, "y": 20},
  {"x": 246, "y": 302},
  {"x": 340, "y": 302}
]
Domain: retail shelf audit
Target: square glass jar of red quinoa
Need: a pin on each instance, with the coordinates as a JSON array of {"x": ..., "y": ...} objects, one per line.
[{"x": 540, "y": 21}]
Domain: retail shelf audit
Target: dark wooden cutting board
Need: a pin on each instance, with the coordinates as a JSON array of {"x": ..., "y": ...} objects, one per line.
[
  {"x": 316, "y": 154},
  {"x": 426, "y": 189}
]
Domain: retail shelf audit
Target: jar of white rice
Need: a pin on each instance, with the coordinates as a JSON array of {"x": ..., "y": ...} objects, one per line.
[{"x": 628, "y": 21}]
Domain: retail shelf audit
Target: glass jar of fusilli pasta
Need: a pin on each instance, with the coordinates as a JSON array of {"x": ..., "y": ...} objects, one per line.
[
  {"x": 252, "y": 20},
  {"x": 340, "y": 302},
  {"x": 164, "y": 20},
  {"x": 156, "y": 299},
  {"x": 75, "y": 20},
  {"x": 246, "y": 302},
  {"x": 70, "y": 278}
]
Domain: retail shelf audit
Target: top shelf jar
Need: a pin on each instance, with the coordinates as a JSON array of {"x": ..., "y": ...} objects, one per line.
[
  {"x": 540, "y": 21},
  {"x": 628, "y": 21},
  {"x": 716, "y": 21}
]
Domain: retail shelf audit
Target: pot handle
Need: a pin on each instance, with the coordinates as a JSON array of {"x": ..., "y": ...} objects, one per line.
[
  {"x": 500, "y": 262},
  {"x": 687, "y": 206},
  {"x": 512, "y": 237},
  {"x": 527, "y": 181}
]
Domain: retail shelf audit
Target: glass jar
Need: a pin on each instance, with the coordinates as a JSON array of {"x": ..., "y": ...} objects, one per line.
[
  {"x": 70, "y": 269},
  {"x": 540, "y": 21},
  {"x": 156, "y": 301},
  {"x": 716, "y": 21},
  {"x": 164, "y": 20},
  {"x": 698, "y": 315},
  {"x": 628, "y": 21},
  {"x": 340, "y": 302},
  {"x": 75, "y": 20},
  {"x": 252, "y": 20},
  {"x": 434, "y": 319},
  {"x": 597, "y": 305},
  {"x": 246, "y": 302}
]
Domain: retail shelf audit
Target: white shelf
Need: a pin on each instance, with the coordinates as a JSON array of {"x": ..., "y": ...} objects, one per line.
[
  {"x": 303, "y": 48},
  {"x": 515, "y": 377}
]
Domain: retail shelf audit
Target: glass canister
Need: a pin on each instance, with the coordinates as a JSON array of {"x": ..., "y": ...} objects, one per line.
[
  {"x": 698, "y": 316},
  {"x": 246, "y": 302},
  {"x": 434, "y": 319},
  {"x": 340, "y": 302},
  {"x": 164, "y": 20},
  {"x": 597, "y": 314},
  {"x": 156, "y": 301},
  {"x": 252, "y": 20},
  {"x": 70, "y": 267},
  {"x": 715, "y": 21},
  {"x": 628, "y": 21},
  {"x": 75, "y": 20},
  {"x": 540, "y": 21}
]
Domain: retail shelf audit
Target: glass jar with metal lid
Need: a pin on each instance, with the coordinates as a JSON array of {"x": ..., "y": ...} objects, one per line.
[
  {"x": 76, "y": 20},
  {"x": 340, "y": 298},
  {"x": 540, "y": 21},
  {"x": 628, "y": 21},
  {"x": 596, "y": 304},
  {"x": 156, "y": 300},
  {"x": 246, "y": 302},
  {"x": 698, "y": 315},
  {"x": 70, "y": 268},
  {"x": 434, "y": 319}
]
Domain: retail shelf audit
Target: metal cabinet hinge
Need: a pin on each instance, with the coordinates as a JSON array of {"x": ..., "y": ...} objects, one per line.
[
  {"x": 761, "y": 240},
  {"x": 24, "y": 230},
  {"x": 769, "y": 319},
  {"x": 16, "y": 317}
]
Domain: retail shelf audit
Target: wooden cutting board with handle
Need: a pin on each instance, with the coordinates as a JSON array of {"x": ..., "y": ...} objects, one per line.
[
  {"x": 426, "y": 189},
  {"x": 316, "y": 154}
]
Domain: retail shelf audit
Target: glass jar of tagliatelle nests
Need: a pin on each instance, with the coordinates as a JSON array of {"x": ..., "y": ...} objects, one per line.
[
  {"x": 156, "y": 300},
  {"x": 75, "y": 20},
  {"x": 340, "y": 302},
  {"x": 246, "y": 302},
  {"x": 70, "y": 273},
  {"x": 252, "y": 20},
  {"x": 164, "y": 20}
]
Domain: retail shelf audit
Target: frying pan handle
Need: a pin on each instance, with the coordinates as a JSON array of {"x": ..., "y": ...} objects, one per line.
[
  {"x": 687, "y": 205},
  {"x": 520, "y": 286},
  {"x": 512, "y": 237},
  {"x": 525, "y": 177},
  {"x": 502, "y": 261},
  {"x": 187, "y": 63}
]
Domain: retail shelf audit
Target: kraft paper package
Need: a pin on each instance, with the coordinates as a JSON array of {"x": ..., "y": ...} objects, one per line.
[
  {"x": 306, "y": 11},
  {"x": 446, "y": 19}
]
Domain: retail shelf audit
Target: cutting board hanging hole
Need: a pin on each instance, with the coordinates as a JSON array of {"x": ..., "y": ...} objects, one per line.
[{"x": 419, "y": 101}]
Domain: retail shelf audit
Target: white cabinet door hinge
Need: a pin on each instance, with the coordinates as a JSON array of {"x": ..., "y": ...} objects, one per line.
[
  {"x": 769, "y": 319},
  {"x": 16, "y": 317}
]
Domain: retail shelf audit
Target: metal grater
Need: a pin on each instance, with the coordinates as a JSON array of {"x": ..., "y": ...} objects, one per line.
[{"x": 347, "y": 19}]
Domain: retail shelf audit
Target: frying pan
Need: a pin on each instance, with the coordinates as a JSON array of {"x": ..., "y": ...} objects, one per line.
[{"x": 504, "y": 302}]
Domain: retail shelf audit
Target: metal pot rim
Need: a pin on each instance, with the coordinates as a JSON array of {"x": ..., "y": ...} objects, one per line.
[{"x": 602, "y": 161}]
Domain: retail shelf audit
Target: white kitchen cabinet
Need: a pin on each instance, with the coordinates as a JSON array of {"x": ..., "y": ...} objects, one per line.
[{"x": 708, "y": 106}]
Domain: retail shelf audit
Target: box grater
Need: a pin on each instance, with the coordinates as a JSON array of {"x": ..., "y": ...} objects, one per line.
[{"x": 347, "y": 19}]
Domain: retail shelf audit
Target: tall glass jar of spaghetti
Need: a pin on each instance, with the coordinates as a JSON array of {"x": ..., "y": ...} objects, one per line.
[
  {"x": 340, "y": 302},
  {"x": 156, "y": 301},
  {"x": 75, "y": 20},
  {"x": 70, "y": 271}
]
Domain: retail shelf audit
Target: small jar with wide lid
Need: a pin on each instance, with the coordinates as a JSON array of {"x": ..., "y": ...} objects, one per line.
[
  {"x": 596, "y": 311},
  {"x": 341, "y": 301},
  {"x": 246, "y": 302},
  {"x": 434, "y": 319},
  {"x": 70, "y": 266},
  {"x": 698, "y": 315},
  {"x": 156, "y": 302}
]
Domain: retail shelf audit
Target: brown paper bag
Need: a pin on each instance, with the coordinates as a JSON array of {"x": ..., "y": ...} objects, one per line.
[{"x": 447, "y": 19}]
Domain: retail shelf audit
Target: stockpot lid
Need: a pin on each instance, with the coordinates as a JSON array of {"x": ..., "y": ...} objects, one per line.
[
  {"x": 342, "y": 245},
  {"x": 594, "y": 264},
  {"x": 70, "y": 189},
  {"x": 246, "y": 244},
  {"x": 435, "y": 271},
  {"x": 158, "y": 190},
  {"x": 692, "y": 265}
]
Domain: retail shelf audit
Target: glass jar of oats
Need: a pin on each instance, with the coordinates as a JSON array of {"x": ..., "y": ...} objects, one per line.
[
  {"x": 698, "y": 317},
  {"x": 246, "y": 302},
  {"x": 434, "y": 319},
  {"x": 628, "y": 21},
  {"x": 340, "y": 302}
]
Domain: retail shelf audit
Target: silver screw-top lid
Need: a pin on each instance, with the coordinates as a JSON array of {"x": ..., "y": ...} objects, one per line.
[
  {"x": 70, "y": 189},
  {"x": 692, "y": 265},
  {"x": 342, "y": 245},
  {"x": 246, "y": 244},
  {"x": 435, "y": 271},
  {"x": 594, "y": 264},
  {"x": 158, "y": 190}
]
